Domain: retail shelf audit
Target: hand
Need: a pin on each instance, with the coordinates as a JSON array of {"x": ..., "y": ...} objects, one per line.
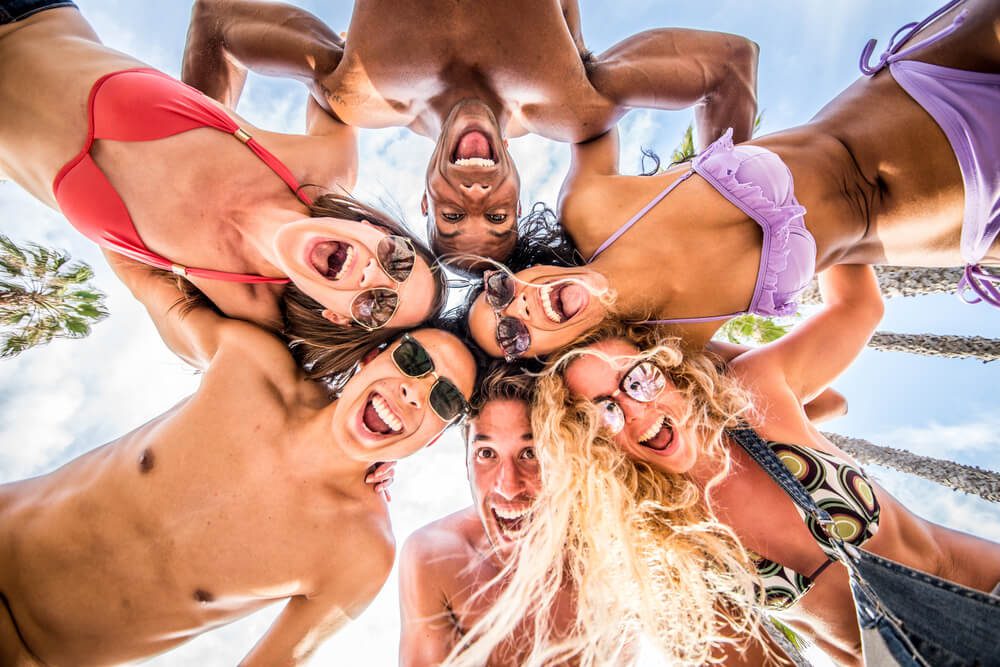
[{"x": 381, "y": 475}]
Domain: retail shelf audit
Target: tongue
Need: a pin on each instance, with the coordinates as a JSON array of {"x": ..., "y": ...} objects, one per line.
[
  {"x": 373, "y": 422},
  {"x": 572, "y": 299},
  {"x": 661, "y": 440},
  {"x": 328, "y": 257},
  {"x": 473, "y": 144}
]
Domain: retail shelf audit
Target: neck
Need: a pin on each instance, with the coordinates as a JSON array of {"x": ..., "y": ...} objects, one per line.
[
  {"x": 259, "y": 225},
  {"x": 333, "y": 462},
  {"x": 634, "y": 293},
  {"x": 440, "y": 107}
]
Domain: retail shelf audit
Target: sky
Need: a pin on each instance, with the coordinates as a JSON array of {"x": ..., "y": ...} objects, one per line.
[{"x": 62, "y": 400}]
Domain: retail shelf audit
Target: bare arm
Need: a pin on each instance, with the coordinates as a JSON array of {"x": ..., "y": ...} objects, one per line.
[
  {"x": 227, "y": 37},
  {"x": 674, "y": 68},
  {"x": 810, "y": 357},
  {"x": 427, "y": 633},
  {"x": 192, "y": 334},
  {"x": 308, "y": 620}
]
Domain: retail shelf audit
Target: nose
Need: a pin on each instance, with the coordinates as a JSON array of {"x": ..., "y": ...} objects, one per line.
[
  {"x": 509, "y": 483},
  {"x": 410, "y": 393},
  {"x": 631, "y": 408},
  {"x": 519, "y": 306},
  {"x": 476, "y": 191}
]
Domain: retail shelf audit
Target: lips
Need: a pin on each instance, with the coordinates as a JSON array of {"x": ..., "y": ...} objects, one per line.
[
  {"x": 332, "y": 259},
  {"x": 473, "y": 150},
  {"x": 512, "y": 521},
  {"x": 562, "y": 300},
  {"x": 378, "y": 417},
  {"x": 659, "y": 436}
]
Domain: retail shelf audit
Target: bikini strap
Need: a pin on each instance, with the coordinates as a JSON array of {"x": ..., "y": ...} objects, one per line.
[
  {"x": 273, "y": 163},
  {"x": 984, "y": 283},
  {"x": 693, "y": 320},
  {"x": 890, "y": 55},
  {"x": 638, "y": 216}
]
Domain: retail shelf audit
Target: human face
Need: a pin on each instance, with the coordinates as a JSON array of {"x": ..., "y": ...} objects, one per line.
[
  {"x": 384, "y": 414},
  {"x": 503, "y": 470},
  {"x": 334, "y": 260},
  {"x": 472, "y": 187},
  {"x": 556, "y": 304},
  {"x": 652, "y": 431}
]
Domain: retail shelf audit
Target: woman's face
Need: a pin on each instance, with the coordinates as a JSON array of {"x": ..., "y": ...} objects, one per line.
[
  {"x": 332, "y": 260},
  {"x": 651, "y": 430},
  {"x": 555, "y": 303},
  {"x": 384, "y": 414}
]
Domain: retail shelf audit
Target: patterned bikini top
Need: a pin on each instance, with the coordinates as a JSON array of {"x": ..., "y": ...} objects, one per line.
[{"x": 837, "y": 487}]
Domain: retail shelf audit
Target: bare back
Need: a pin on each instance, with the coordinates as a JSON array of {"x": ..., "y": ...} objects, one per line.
[
  {"x": 208, "y": 512},
  {"x": 401, "y": 58}
]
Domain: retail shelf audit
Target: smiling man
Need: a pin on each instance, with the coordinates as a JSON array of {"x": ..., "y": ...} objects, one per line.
[
  {"x": 470, "y": 75},
  {"x": 250, "y": 492},
  {"x": 446, "y": 563}
]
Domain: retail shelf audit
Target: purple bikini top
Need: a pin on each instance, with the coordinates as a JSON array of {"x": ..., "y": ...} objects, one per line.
[{"x": 757, "y": 182}]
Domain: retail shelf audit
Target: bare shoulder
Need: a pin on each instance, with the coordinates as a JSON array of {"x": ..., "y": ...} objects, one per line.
[
  {"x": 439, "y": 541},
  {"x": 252, "y": 346}
]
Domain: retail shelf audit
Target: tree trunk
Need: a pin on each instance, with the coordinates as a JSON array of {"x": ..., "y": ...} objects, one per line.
[
  {"x": 896, "y": 281},
  {"x": 958, "y": 476},
  {"x": 938, "y": 345}
]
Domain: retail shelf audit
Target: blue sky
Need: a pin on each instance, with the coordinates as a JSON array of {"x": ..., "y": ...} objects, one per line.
[{"x": 59, "y": 401}]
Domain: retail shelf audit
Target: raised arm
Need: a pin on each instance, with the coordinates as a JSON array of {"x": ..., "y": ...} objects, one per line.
[
  {"x": 813, "y": 354},
  {"x": 192, "y": 333},
  {"x": 427, "y": 633},
  {"x": 674, "y": 68},
  {"x": 227, "y": 37}
]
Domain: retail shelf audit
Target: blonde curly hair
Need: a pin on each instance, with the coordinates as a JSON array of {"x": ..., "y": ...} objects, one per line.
[{"x": 641, "y": 549}]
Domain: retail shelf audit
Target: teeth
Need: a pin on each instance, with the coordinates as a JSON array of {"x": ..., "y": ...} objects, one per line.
[
  {"x": 550, "y": 312},
  {"x": 510, "y": 514},
  {"x": 347, "y": 263},
  {"x": 653, "y": 429},
  {"x": 474, "y": 162},
  {"x": 385, "y": 413}
]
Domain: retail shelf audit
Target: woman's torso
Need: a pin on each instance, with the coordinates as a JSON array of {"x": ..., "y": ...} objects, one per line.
[{"x": 197, "y": 518}]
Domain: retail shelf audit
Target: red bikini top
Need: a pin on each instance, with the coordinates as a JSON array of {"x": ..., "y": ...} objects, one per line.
[{"x": 142, "y": 105}]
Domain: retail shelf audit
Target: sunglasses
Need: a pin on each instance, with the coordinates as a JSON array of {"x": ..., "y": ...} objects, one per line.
[
  {"x": 373, "y": 308},
  {"x": 643, "y": 383},
  {"x": 512, "y": 335},
  {"x": 413, "y": 360}
]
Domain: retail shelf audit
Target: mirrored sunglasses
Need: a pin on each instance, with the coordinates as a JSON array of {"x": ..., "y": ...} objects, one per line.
[{"x": 643, "y": 383}]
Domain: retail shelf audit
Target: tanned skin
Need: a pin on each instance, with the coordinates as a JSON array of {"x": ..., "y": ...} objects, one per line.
[
  {"x": 221, "y": 202},
  {"x": 781, "y": 377},
  {"x": 444, "y": 564},
  {"x": 878, "y": 178},
  {"x": 445, "y": 69},
  {"x": 249, "y": 492}
]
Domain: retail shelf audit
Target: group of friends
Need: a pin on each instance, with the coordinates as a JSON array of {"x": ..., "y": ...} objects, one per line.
[{"x": 609, "y": 497}]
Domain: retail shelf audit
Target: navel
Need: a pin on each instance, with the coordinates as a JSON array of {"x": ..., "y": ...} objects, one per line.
[
  {"x": 203, "y": 596},
  {"x": 146, "y": 461}
]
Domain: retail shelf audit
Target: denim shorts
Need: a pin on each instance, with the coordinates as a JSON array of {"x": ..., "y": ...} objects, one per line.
[{"x": 17, "y": 10}]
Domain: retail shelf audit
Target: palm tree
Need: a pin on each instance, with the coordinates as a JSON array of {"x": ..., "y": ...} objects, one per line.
[
  {"x": 896, "y": 281},
  {"x": 965, "y": 478},
  {"x": 43, "y": 296},
  {"x": 937, "y": 345}
]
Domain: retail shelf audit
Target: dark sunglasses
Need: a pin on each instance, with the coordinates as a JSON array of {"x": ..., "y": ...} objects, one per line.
[
  {"x": 413, "y": 360},
  {"x": 373, "y": 308},
  {"x": 512, "y": 336},
  {"x": 643, "y": 383}
]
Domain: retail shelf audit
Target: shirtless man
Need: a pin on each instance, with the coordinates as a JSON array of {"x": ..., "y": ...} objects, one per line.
[
  {"x": 445, "y": 563},
  {"x": 250, "y": 491},
  {"x": 470, "y": 75}
]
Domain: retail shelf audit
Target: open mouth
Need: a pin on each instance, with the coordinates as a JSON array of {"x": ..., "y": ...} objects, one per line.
[
  {"x": 473, "y": 150},
  {"x": 332, "y": 259},
  {"x": 658, "y": 436},
  {"x": 378, "y": 418},
  {"x": 562, "y": 300},
  {"x": 511, "y": 522}
]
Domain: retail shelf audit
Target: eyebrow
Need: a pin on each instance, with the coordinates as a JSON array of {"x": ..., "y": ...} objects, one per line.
[
  {"x": 449, "y": 235},
  {"x": 527, "y": 436},
  {"x": 500, "y": 235}
]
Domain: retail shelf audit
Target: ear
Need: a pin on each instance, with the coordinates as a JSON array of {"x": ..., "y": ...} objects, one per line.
[
  {"x": 423, "y": 204},
  {"x": 336, "y": 318}
]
